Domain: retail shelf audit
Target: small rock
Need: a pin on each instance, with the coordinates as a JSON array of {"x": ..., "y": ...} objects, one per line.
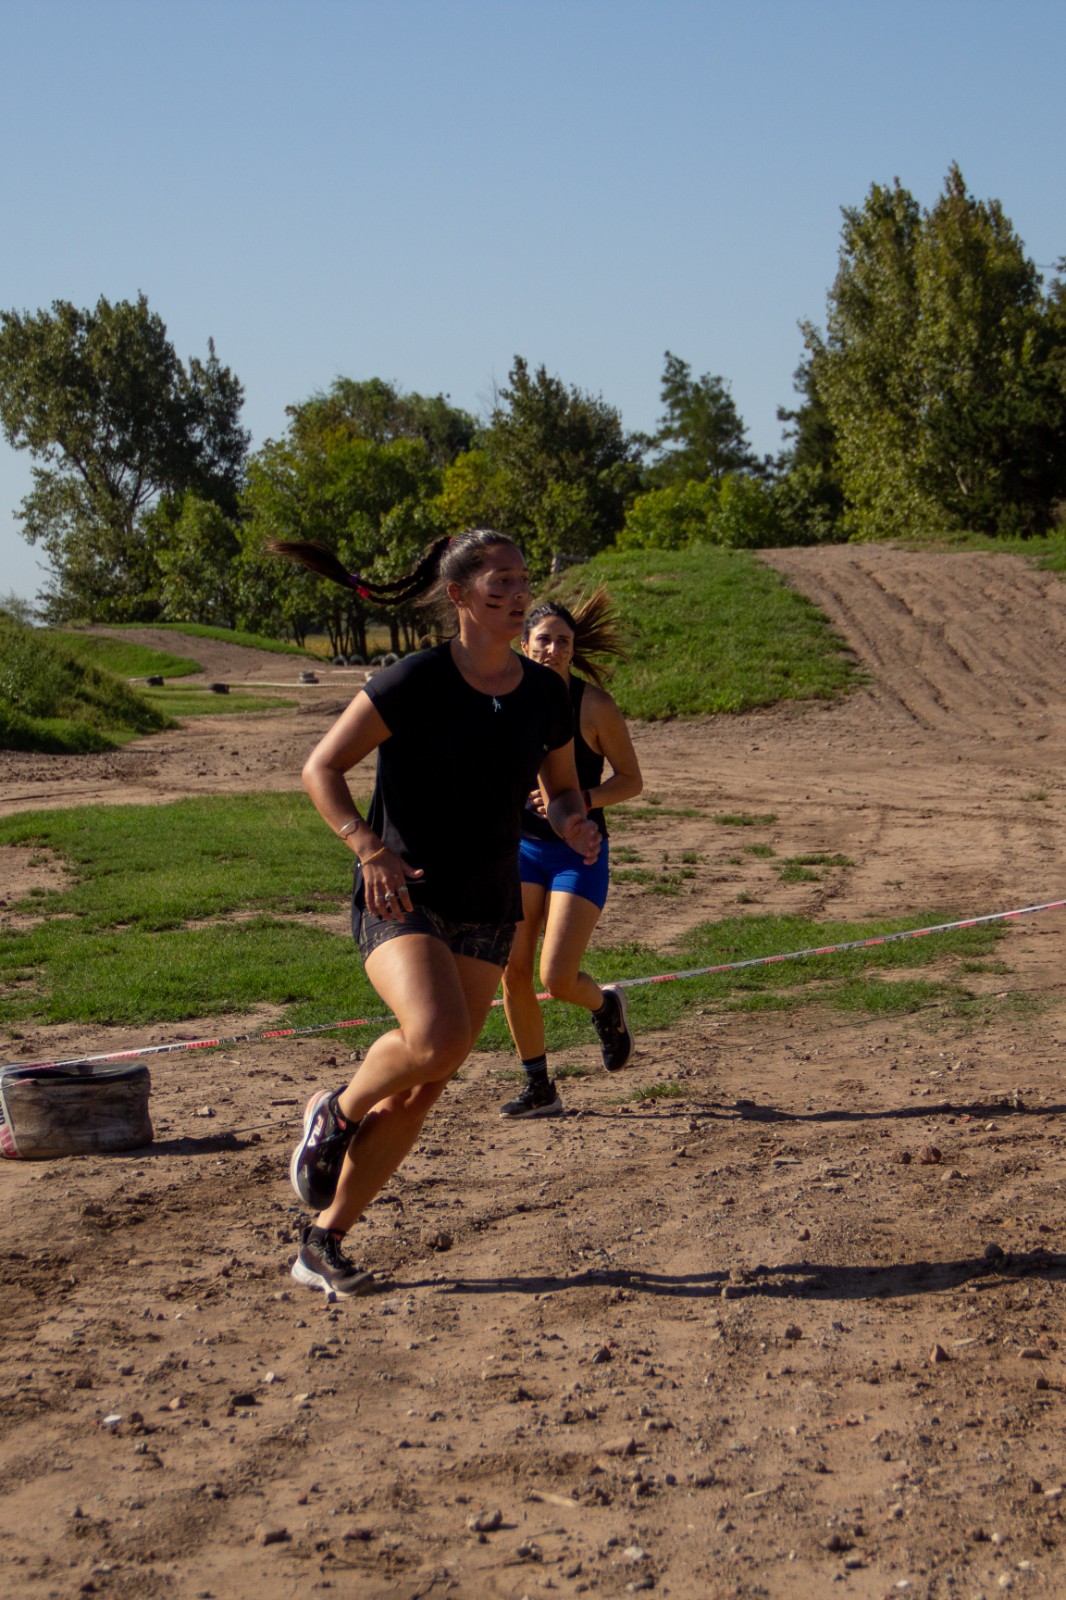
[
  {"x": 265, "y": 1533},
  {"x": 439, "y": 1240},
  {"x": 485, "y": 1521},
  {"x": 905, "y": 1157},
  {"x": 793, "y": 1331},
  {"x": 938, "y": 1354},
  {"x": 803, "y": 1235},
  {"x": 1031, "y": 1352},
  {"x": 929, "y": 1155},
  {"x": 625, "y": 1445},
  {"x": 993, "y": 1252}
]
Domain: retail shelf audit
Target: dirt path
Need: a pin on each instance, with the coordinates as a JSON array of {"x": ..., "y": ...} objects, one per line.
[{"x": 798, "y": 1332}]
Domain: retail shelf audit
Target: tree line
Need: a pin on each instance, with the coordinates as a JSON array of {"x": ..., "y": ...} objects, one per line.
[{"x": 933, "y": 402}]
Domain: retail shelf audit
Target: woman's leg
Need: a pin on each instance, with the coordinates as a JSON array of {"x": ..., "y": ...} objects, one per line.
[
  {"x": 520, "y": 1002},
  {"x": 440, "y": 1001},
  {"x": 568, "y": 926}
]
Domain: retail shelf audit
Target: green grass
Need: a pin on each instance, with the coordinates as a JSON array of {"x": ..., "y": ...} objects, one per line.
[
  {"x": 121, "y": 656},
  {"x": 744, "y": 819},
  {"x": 253, "y": 641},
  {"x": 711, "y": 630},
  {"x": 191, "y": 910},
  {"x": 1047, "y": 552},
  {"x": 52, "y": 701},
  {"x": 796, "y": 869},
  {"x": 202, "y": 703}
]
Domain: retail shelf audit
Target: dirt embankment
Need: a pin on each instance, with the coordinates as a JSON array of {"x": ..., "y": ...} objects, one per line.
[{"x": 797, "y": 1331}]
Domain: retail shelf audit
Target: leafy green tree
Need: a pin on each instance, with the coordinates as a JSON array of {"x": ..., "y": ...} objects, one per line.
[
  {"x": 371, "y": 503},
  {"x": 557, "y": 471},
  {"x": 864, "y": 367},
  {"x": 937, "y": 370},
  {"x": 113, "y": 420},
  {"x": 806, "y": 484},
  {"x": 701, "y": 434},
  {"x": 740, "y": 512},
  {"x": 376, "y": 410},
  {"x": 198, "y": 553},
  {"x": 674, "y": 518}
]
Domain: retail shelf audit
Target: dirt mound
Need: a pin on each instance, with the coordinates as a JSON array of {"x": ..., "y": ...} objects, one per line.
[{"x": 779, "y": 1311}]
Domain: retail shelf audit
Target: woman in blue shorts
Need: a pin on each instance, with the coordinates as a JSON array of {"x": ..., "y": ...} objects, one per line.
[
  {"x": 461, "y": 731},
  {"x": 563, "y": 895}
]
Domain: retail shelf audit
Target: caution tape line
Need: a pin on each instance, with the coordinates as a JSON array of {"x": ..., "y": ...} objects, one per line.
[{"x": 618, "y": 983}]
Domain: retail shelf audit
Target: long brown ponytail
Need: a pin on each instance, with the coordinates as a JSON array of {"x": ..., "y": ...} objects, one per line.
[{"x": 446, "y": 560}]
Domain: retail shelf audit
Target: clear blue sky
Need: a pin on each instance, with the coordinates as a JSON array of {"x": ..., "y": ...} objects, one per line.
[{"x": 419, "y": 189}]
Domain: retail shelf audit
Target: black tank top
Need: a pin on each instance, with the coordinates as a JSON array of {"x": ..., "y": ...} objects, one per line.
[{"x": 589, "y": 773}]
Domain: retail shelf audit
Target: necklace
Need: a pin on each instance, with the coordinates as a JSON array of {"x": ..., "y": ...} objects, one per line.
[{"x": 468, "y": 671}]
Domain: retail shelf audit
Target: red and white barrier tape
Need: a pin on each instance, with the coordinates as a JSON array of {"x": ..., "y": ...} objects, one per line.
[{"x": 620, "y": 983}]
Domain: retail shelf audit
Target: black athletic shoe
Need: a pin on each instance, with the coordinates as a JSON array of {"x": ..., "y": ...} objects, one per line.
[
  {"x": 535, "y": 1100},
  {"x": 616, "y": 1041},
  {"x": 322, "y": 1264},
  {"x": 315, "y": 1167}
]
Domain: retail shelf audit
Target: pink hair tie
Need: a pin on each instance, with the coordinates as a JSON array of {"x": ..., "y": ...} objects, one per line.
[{"x": 357, "y": 584}]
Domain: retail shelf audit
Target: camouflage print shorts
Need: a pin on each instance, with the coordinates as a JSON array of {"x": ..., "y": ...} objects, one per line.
[{"x": 481, "y": 941}]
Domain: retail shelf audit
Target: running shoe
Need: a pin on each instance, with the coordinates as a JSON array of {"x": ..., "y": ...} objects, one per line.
[
  {"x": 315, "y": 1167},
  {"x": 616, "y": 1041},
  {"x": 322, "y": 1264},
  {"x": 534, "y": 1100}
]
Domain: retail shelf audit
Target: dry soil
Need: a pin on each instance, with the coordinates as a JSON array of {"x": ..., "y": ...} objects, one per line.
[{"x": 798, "y": 1332}]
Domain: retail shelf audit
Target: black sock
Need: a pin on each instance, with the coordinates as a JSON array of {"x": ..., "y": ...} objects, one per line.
[
  {"x": 341, "y": 1120},
  {"x": 536, "y": 1069}
]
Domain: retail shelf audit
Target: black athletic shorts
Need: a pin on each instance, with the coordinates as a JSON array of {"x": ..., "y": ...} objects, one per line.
[{"x": 480, "y": 941}]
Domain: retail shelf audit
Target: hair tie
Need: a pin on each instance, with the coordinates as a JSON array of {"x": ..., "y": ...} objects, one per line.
[{"x": 359, "y": 586}]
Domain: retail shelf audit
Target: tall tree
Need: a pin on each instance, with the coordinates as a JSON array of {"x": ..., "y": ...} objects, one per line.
[
  {"x": 113, "y": 420},
  {"x": 372, "y": 503},
  {"x": 936, "y": 370},
  {"x": 558, "y": 468},
  {"x": 376, "y": 410},
  {"x": 701, "y": 434}
]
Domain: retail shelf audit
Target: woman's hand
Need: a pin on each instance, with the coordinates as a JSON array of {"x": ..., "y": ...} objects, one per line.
[
  {"x": 583, "y": 836},
  {"x": 536, "y": 802},
  {"x": 385, "y": 885}
]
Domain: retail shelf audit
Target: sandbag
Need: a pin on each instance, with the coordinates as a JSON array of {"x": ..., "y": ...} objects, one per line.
[{"x": 72, "y": 1110}]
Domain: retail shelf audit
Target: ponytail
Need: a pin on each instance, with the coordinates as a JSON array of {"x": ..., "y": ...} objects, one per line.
[{"x": 446, "y": 560}]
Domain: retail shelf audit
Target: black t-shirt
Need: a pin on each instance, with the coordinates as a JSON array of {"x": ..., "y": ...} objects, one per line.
[
  {"x": 452, "y": 779},
  {"x": 589, "y": 765}
]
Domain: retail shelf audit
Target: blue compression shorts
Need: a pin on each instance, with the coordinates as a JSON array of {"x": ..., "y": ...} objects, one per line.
[{"x": 560, "y": 870}]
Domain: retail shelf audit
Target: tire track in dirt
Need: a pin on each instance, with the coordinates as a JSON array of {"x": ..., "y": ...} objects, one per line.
[{"x": 962, "y": 642}]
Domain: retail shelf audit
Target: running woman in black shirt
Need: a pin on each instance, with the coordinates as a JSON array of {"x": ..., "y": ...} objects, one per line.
[
  {"x": 562, "y": 895},
  {"x": 461, "y": 732}
]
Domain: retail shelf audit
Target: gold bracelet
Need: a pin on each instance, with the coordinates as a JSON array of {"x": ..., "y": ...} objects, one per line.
[{"x": 366, "y": 860}]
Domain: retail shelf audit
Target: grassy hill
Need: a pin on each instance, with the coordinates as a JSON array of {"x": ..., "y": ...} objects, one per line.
[
  {"x": 711, "y": 630},
  {"x": 52, "y": 701}
]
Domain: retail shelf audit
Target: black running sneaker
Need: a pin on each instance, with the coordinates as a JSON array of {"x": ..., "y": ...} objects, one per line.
[
  {"x": 315, "y": 1167},
  {"x": 322, "y": 1264},
  {"x": 616, "y": 1041},
  {"x": 535, "y": 1100}
]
